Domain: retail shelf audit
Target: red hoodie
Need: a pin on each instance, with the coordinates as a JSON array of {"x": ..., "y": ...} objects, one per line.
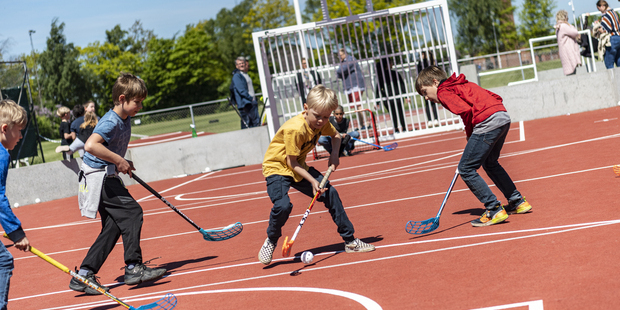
[{"x": 473, "y": 103}]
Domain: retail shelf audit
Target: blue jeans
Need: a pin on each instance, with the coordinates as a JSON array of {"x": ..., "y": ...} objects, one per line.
[
  {"x": 278, "y": 187},
  {"x": 483, "y": 150},
  {"x": 6, "y": 271},
  {"x": 612, "y": 53},
  {"x": 249, "y": 114},
  {"x": 326, "y": 142}
]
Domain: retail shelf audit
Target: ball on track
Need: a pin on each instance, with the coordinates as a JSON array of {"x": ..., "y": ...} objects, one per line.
[{"x": 307, "y": 257}]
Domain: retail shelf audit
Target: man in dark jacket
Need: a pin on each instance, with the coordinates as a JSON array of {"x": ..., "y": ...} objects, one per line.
[{"x": 243, "y": 94}]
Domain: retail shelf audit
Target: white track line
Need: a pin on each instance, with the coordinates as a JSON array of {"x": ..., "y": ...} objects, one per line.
[{"x": 562, "y": 229}]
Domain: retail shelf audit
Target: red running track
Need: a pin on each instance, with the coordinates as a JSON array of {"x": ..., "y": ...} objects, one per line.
[{"x": 560, "y": 256}]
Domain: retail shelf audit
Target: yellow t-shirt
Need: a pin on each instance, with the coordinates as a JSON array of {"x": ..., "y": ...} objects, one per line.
[{"x": 294, "y": 138}]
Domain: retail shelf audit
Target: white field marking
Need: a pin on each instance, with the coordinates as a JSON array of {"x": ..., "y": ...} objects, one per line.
[
  {"x": 343, "y": 184},
  {"x": 176, "y": 186},
  {"x": 366, "y": 302},
  {"x": 165, "y": 140},
  {"x": 566, "y": 228},
  {"x": 180, "y": 197},
  {"x": 163, "y": 135},
  {"x": 606, "y": 120},
  {"x": 531, "y": 305}
]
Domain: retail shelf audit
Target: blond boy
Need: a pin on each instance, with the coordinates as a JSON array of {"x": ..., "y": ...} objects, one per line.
[
  {"x": 285, "y": 166},
  {"x": 13, "y": 119}
]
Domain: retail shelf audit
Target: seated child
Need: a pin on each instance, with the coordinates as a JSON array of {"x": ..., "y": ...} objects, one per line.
[
  {"x": 84, "y": 132},
  {"x": 341, "y": 124},
  {"x": 285, "y": 166},
  {"x": 486, "y": 125}
]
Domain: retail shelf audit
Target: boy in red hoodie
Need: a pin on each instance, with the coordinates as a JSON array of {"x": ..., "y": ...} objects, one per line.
[{"x": 486, "y": 125}]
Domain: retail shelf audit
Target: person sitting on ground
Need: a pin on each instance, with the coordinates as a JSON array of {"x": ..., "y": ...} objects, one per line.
[{"x": 341, "y": 124}]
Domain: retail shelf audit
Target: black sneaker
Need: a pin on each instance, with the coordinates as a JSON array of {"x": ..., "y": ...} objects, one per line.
[
  {"x": 78, "y": 286},
  {"x": 140, "y": 273}
]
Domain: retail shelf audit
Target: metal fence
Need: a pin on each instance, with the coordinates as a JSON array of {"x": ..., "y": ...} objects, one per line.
[
  {"x": 399, "y": 35},
  {"x": 214, "y": 116}
]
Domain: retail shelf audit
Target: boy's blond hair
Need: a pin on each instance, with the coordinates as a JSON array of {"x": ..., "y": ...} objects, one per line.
[
  {"x": 321, "y": 98},
  {"x": 428, "y": 75},
  {"x": 62, "y": 111},
  {"x": 90, "y": 119},
  {"x": 12, "y": 114},
  {"x": 129, "y": 85}
]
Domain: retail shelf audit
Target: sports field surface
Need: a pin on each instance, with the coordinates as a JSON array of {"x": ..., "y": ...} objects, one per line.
[{"x": 563, "y": 255}]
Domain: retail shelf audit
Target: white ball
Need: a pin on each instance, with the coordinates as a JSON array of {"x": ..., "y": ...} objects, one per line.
[
  {"x": 207, "y": 169},
  {"x": 15, "y": 205},
  {"x": 37, "y": 200},
  {"x": 307, "y": 257}
]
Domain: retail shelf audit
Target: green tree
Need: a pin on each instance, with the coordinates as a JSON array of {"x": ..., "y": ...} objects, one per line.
[
  {"x": 183, "y": 70},
  {"x": 475, "y": 22},
  {"x": 123, "y": 51},
  {"x": 536, "y": 19},
  {"x": 102, "y": 64},
  {"x": 228, "y": 30},
  {"x": 62, "y": 82}
]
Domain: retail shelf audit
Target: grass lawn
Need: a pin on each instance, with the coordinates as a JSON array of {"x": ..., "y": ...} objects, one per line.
[{"x": 502, "y": 79}]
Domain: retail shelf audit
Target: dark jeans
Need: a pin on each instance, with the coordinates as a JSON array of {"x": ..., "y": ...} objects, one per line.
[
  {"x": 346, "y": 144},
  {"x": 120, "y": 215},
  {"x": 6, "y": 271},
  {"x": 483, "y": 150},
  {"x": 278, "y": 187},
  {"x": 249, "y": 114},
  {"x": 612, "y": 53}
]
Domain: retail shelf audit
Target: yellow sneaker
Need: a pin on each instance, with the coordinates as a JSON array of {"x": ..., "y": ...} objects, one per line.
[
  {"x": 491, "y": 217},
  {"x": 518, "y": 207}
]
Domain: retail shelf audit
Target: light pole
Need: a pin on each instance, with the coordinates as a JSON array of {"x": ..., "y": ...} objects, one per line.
[
  {"x": 573, "y": 6},
  {"x": 34, "y": 57},
  {"x": 499, "y": 60}
]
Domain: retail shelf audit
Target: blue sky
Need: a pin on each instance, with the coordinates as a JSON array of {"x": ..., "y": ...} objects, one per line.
[{"x": 86, "y": 21}]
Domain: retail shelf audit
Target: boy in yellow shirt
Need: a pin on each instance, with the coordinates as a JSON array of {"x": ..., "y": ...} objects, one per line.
[{"x": 285, "y": 166}]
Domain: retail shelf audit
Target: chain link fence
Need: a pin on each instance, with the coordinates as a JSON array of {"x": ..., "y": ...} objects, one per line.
[{"x": 215, "y": 116}]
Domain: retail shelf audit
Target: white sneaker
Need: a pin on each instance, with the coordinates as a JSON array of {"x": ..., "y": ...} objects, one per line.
[
  {"x": 358, "y": 245},
  {"x": 266, "y": 252},
  {"x": 62, "y": 148},
  {"x": 435, "y": 123}
]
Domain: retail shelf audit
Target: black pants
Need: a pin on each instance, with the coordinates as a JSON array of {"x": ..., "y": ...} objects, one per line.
[
  {"x": 278, "y": 187},
  {"x": 120, "y": 215},
  {"x": 398, "y": 115}
]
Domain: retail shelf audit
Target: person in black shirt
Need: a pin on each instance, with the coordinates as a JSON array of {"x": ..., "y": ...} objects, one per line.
[{"x": 341, "y": 124}]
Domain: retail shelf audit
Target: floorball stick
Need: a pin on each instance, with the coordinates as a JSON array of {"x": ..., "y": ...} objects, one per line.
[
  {"x": 385, "y": 148},
  {"x": 286, "y": 247},
  {"x": 209, "y": 235},
  {"x": 168, "y": 302},
  {"x": 422, "y": 227}
]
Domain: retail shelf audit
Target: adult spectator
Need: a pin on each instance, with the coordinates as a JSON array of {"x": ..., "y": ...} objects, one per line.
[
  {"x": 243, "y": 94},
  {"x": 306, "y": 80},
  {"x": 568, "y": 48},
  {"x": 353, "y": 80},
  {"x": 424, "y": 63},
  {"x": 390, "y": 84},
  {"x": 610, "y": 24}
]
